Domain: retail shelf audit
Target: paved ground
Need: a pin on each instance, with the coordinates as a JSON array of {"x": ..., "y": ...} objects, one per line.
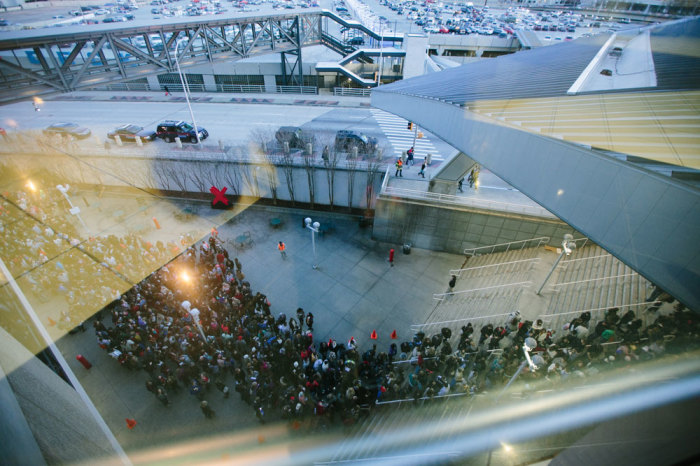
[{"x": 353, "y": 291}]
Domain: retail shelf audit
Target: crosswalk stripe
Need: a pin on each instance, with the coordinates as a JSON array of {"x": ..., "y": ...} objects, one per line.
[{"x": 400, "y": 137}]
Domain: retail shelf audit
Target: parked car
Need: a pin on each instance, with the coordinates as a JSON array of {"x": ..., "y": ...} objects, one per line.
[
  {"x": 171, "y": 129},
  {"x": 346, "y": 140},
  {"x": 65, "y": 128},
  {"x": 357, "y": 40},
  {"x": 294, "y": 135},
  {"x": 129, "y": 133}
]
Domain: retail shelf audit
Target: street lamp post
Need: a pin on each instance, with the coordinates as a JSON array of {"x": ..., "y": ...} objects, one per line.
[
  {"x": 381, "y": 47},
  {"x": 568, "y": 246},
  {"x": 73, "y": 209},
  {"x": 185, "y": 87},
  {"x": 314, "y": 229},
  {"x": 194, "y": 312}
]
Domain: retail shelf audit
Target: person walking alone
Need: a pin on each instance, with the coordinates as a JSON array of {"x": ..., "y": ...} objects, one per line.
[
  {"x": 453, "y": 282},
  {"x": 282, "y": 249},
  {"x": 399, "y": 168},
  {"x": 422, "y": 169},
  {"x": 409, "y": 157},
  {"x": 167, "y": 91}
]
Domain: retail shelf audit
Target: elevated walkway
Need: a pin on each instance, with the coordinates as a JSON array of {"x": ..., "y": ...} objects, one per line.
[{"x": 361, "y": 55}]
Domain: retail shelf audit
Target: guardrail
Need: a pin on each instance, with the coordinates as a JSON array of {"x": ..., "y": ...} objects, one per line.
[
  {"x": 595, "y": 279},
  {"x": 462, "y": 201},
  {"x": 492, "y": 248},
  {"x": 128, "y": 87},
  {"x": 241, "y": 88},
  {"x": 351, "y": 91},
  {"x": 458, "y": 272},
  {"x": 441, "y": 296},
  {"x": 413, "y": 400},
  {"x": 549, "y": 317},
  {"x": 296, "y": 90},
  {"x": 416, "y": 327}
]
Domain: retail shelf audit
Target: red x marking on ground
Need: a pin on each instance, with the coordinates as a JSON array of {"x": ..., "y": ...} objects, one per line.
[{"x": 219, "y": 195}]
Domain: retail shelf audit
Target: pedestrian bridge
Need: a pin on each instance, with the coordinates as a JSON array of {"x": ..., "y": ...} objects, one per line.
[{"x": 43, "y": 61}]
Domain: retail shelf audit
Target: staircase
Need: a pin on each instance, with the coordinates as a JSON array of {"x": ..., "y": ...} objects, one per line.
[
  {"x": 593, "y": 280},
  {"x": 487, "y": 286}
]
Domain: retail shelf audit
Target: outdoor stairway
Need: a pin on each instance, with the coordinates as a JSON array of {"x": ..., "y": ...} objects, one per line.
[
  {"x": 592, "y": 280},
  {"x": 482, "y": 291}
]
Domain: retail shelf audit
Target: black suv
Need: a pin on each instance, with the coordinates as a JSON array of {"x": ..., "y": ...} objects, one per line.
[
  {"x": 171, "y": 129},
  {"x": 293, "y": 135},
  {"x": 346, "y": 140}
]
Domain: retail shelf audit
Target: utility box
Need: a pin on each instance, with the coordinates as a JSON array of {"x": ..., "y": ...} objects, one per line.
[{"x": 407, "y": 248}]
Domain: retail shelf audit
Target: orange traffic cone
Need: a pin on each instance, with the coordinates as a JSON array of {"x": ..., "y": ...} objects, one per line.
[
  {"x": 393, "y": 335},
  {"x": 51, "y": 322},
  {"x": 130, "y": 423},
  {"x": 155, "y": 221},
  {"x": 374, "y": 335}
]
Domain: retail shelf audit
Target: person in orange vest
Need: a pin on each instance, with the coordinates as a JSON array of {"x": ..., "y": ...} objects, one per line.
[
  {"x": 399, "y": 168},
  {"x": 282, "y": 248}
]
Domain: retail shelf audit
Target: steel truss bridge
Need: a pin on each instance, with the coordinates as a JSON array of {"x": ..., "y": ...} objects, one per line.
[{"x": 44, "y": 61}]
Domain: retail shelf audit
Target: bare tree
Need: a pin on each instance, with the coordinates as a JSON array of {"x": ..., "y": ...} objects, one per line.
[
  {"x": 270, "y": 171},
  {"x": 250, "y": 179},
  {"x": 261, "y": 140},
  {"x": 232, "y": 179},
  {"x": 351, "y": 164},
  {"x": 373, "y": 170},
  {"x": 310, "y": 168},
  {"x": 330, "y": 157},
  {"x": 179, "y": 178},
  {"x": 288, "y": 170},
  {"x": 161, "y": 172},
  {"x": 198, "y": 176}
]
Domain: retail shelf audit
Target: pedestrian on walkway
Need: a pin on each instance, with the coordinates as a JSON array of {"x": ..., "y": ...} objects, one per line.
[
  {"x": 300, "y": 316},
  {"x": 310, "y": 321},
  {"x": 409, "y": 155},
  {"x": 399, "y": 168},
  {"x": 206, "y": 410},
  {"x": 422, "y": 169},
  {"x": 453, "y": 282},
  {"x": 459, "y": 185},
  {"x": 167, "y": 91},
  {"x": 281, "y": 247}
]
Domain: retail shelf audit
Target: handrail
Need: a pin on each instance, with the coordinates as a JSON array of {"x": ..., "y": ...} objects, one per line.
[
  {"x": 441, "y": 296},
  {"x": 458, "y": 272},
  {"x": 583, "y": 259},
  {"x": 540, "y": 240},
  {"x": 378, "y": 403},
  {"x": 548, "y": 317},
  {"x": 427, "y": 324},
  {"x": 595, "y": 279},
  {"x": 535, "y": 211}
]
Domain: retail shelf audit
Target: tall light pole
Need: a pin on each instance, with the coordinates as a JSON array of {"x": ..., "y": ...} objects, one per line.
[
  {"x": 75, "y": 210},
  {"x": 381, "y": 47},
  {"x": 185, "y": 87},
  {"x": 568, "y": 246},
  {"x": 314, "y": 229}
]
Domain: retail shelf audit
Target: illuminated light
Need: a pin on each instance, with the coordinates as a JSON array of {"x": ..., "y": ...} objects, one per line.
[
  {"x": 30, "y": 185},
  {"x": 38, "y": 100},
  {"x": 560, "y": 192},
  {"x": 185, "y": 276},
  {"x": 506, "y": 447}
]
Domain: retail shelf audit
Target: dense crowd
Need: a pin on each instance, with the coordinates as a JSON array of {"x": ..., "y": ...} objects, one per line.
[{"x": 211, "y": 331}]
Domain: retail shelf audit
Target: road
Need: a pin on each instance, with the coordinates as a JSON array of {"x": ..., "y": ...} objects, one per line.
[{"x": 233, "y": 124}]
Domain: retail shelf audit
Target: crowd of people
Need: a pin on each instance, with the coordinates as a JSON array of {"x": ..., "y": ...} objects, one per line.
[{"x": 209, "y": 332}]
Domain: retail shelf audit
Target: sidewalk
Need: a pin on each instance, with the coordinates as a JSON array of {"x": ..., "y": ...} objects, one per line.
[
  {"x": 217, "y": 97},
  {"x": 354, "y": 291}
]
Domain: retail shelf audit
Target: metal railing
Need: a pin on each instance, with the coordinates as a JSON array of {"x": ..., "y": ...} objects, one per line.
[
  {"x": 491, "y": 249},
  {"x": 483, "y": 204},
  {"x": 583, "y": 259},
  {"x": 458, "y": 272},
  {"x": 549, "y": 317},
  {"x": 296, "y": 90},
  {"x": 241, "y": 88},
  {"x": 423, "y": 398},
  {"x": 441, "y": 296},
  {"x": 416, "y": 327},
  {"x": 595, "y": 279},
  {"x": 125, "y": 87},
  {"x": 352, "y": 91}
]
